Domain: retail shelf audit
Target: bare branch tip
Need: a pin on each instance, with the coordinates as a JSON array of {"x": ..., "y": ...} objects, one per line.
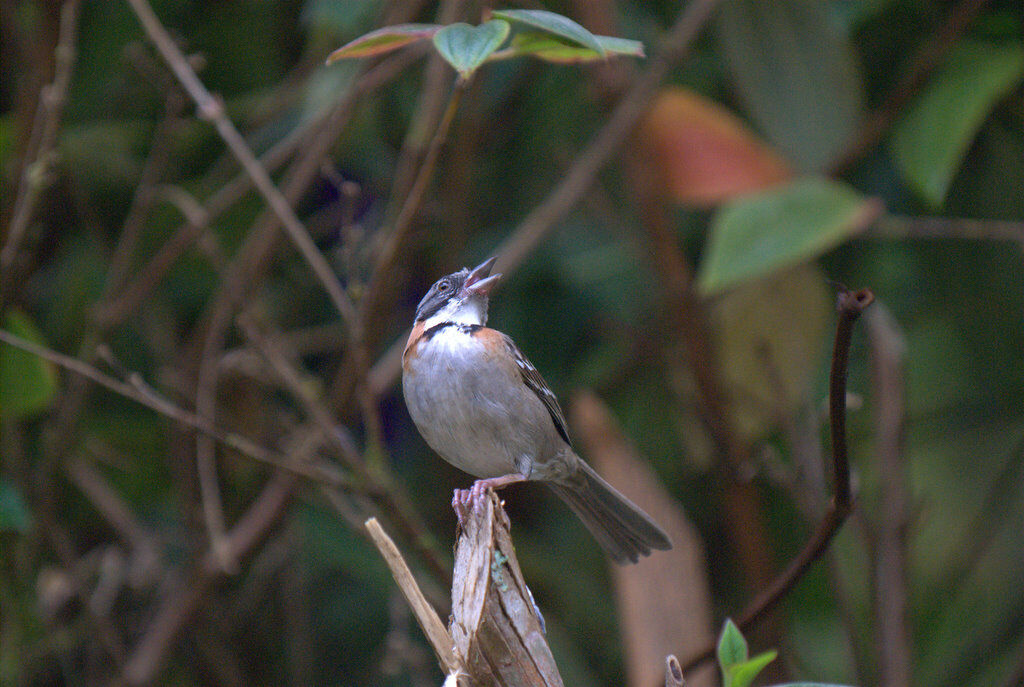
[{"x": 673, "y": 672}]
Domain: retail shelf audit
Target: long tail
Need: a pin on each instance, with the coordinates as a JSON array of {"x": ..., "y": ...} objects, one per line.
[{"x": 624, "y": 531}]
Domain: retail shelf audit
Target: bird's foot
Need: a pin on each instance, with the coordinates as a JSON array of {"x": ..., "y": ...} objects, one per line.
[{"x": 464, "y": 501}]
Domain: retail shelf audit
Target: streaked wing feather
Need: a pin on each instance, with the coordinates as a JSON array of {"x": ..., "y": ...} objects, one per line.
[{"x": 536, "y": 383}]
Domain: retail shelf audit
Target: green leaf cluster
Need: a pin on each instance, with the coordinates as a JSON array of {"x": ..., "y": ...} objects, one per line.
[
  {"x": 738, "y": 668},
  {"x": 538, "y": 33}
]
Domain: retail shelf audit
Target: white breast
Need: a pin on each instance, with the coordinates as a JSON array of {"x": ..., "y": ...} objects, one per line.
[{"x": 471, "y": 409}]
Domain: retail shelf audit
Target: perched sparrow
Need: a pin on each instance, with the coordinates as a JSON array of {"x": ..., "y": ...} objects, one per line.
[{"x": 479, "y": 402}]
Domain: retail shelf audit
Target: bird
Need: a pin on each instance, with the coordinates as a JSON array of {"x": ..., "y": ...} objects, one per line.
[{"x": 483, "y": 406}]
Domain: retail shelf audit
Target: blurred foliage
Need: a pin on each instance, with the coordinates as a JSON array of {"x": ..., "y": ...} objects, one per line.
[{"x": 769, "y": 87}]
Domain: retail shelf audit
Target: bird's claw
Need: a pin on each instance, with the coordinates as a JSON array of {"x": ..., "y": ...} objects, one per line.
[{"x": 465, "y": 501}]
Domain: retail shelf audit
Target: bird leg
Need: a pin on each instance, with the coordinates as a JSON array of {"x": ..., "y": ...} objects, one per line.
[{"x": 465, "y": 500}]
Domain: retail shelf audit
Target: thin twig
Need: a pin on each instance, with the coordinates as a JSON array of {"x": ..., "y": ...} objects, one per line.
[
  {"x": 351, "y": 377},
  {"x": 212, "y": 109},
  {"x": 39, "y": 155},
  {"x": 431, "y": 104},
  {"x": 293, "y": 380},
  {"x": 145, "y": 395},
  {"x": 177, "y": 607},
  {"x": 415, "y": 170},
  {"x": 162, "y": 145},
  {"x": 532, "y": 230},
  {"x": 328, "y": 124},
  {"x": 426, "y": 616},
  {"x": 379, "y": 486},
  {"x": 110, "y": 504},
  {"x": 382, "y": 280},
  {"x": 238, "y": 278},
  {"x": 924, "y": 62},
  {"x": 900, "y": 227},
  {"x": 890, "y": 550},
  {"x": 850, "y": 305}
]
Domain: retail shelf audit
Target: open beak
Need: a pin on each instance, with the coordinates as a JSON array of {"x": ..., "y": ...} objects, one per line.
[{"x": 480, "y": 280}]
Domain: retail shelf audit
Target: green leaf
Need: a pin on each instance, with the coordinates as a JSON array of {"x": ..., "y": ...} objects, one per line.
[
  {"x": 809, "y": 684},
  {"x": 466, "y": 47},
  {"x": 783, "y": 226},
  {"x": 930, "y": 141},
  {"x": 552, "y": 48},
  {"x": 554, "y": 24},
  {"x": 732, "y": 647},
  {"x": 742, "y": 674},
  {"x": 383, "y": 40},
  {"x": 28, "y": 384},
  {"x": 797, "y": 74},
  {"x": 768, "y": 336},
  {"x": 13, "y": 512}
]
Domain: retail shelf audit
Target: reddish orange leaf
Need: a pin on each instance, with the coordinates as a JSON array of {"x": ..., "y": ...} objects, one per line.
[{"x": 703, "y": 154}]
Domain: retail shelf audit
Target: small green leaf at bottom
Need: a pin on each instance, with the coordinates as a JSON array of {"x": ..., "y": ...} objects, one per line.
[
  {"x": 742, "y": 674},
  {"x": 732, "y": 647}
]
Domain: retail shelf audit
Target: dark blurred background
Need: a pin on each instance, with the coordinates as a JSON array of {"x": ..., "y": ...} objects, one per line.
[{"x": 683, "y": 303}]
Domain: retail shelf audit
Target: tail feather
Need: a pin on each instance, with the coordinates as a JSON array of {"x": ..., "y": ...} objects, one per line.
[{"x": 623, "y": 530}]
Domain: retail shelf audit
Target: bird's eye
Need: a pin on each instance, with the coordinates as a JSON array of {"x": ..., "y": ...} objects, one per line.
[{"x": 444, "y": 286}]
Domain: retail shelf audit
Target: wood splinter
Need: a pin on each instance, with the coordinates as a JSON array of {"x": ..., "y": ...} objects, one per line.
[{"x": 496, "y": 636}]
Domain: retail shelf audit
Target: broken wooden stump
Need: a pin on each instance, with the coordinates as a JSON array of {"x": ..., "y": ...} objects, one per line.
[
  {"x": 496, "y": 626},
  {"x": 496, "y": 634}
]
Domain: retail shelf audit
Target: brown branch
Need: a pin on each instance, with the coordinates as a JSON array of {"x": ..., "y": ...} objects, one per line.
[
  {"x": 435, "y": 631},
  {"x": 850, "y": 305},
  {"x": 623, "y": 120},
  {"x": 212, "y": 109},
  {"x": 429, "y": 127},
  {"x": 109, "y": 503},
  {"x": 924, "y": 62},
  {"x": 39, "y": 156},
  {"x": 890, "y": 550},
  {"x": 180, "y": 604},
  {"x": 142, "y": 394},
  {"x": 397, "y": 237},
  {"x": 237, "y": 280},
  {"x": 378, "y": 484},
  {"x": 899, "y": 227},
  {"x": 327, "y": 125},
  {"x": 145, "y": 196}
]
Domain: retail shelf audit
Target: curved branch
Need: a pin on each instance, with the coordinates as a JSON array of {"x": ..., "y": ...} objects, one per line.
[{"x": 850, "y": 305}]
